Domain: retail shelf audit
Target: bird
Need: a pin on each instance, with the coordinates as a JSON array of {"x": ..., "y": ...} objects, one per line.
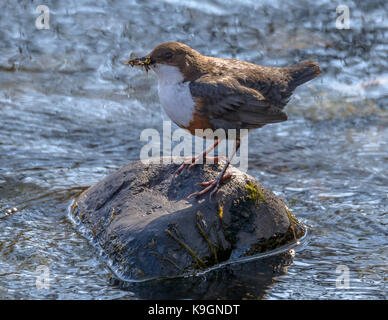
[{"x": 204, "y": 92}]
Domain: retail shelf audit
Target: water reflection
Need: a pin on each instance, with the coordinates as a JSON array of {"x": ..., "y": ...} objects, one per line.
[{"x": 235, "y": 281}]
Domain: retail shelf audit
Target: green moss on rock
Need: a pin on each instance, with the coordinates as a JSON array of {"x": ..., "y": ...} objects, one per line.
[{"x": 254, "y": 193}]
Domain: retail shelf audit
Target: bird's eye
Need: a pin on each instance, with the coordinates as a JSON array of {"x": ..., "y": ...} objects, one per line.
[{"x": 168, "y": 55}]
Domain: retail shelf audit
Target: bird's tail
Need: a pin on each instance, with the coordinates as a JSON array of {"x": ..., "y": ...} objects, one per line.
[{"x": 302, "y": 72}]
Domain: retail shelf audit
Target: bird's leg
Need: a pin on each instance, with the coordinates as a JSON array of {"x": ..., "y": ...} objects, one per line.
[
  {"x": 193, "y": 160},
  {"x": 207, "y": 183},
  {"x": 215, "y": 183}
]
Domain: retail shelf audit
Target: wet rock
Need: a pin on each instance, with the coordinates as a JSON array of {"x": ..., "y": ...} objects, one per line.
[{"x": 142, "y": 220}]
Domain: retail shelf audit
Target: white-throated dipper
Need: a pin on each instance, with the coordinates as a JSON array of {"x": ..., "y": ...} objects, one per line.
[{"x": 202, "y": 92}]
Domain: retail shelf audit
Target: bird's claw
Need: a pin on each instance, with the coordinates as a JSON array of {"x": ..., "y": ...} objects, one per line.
[
  {"x": 206, "y": 183},
  {"x": 189, "y": 162},
  {"x": 212, "y": 184},
  {"x": 192, "y": 162}
]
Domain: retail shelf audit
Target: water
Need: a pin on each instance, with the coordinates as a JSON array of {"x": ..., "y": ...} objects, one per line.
[{"x": 71, "y": 113}]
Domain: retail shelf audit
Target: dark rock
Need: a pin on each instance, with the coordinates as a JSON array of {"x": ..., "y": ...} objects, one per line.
[{"x": 142, "y": 220}]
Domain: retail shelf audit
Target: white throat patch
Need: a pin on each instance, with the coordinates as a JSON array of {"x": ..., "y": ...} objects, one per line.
[
  {"x": 168, "y": 74},
  {"x": 174, "y": 94}
]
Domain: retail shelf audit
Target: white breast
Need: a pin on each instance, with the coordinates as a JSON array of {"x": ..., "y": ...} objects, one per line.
[{"x": 174, "y": 94}]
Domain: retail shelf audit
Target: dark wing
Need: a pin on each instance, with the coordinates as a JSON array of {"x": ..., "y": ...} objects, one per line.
[
  {"x": 271, "y": 82},
  {"x": 229, "y": 105},
  {"x": 277, "y": 84}
]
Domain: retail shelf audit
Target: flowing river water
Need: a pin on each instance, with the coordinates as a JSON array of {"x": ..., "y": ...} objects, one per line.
[{"x": 71, "y": 113}]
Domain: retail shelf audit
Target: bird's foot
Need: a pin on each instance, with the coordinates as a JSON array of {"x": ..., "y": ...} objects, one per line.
[
  {"x": 191, "y": 162},
  {"x": 213, "y": 185}
]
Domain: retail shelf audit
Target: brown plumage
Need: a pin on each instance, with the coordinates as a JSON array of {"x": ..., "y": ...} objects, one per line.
[{"x": 229, "y": 93}]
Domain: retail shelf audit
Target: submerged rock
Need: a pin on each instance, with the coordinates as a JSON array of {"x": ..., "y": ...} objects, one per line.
[{"x": 142, "y": 220}]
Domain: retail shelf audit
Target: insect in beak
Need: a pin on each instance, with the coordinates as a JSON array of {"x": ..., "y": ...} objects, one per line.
[{"x": 143, "y": 62}]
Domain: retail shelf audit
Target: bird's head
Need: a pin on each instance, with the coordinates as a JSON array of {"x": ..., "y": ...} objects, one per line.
[{"x": 167, "y": 56}]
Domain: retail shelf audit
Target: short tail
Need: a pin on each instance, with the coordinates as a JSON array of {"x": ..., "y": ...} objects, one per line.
[{"x": 302, "y": 72}]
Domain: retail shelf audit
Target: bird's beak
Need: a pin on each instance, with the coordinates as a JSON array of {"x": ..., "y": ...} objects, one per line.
[{"x": 143, "y": 62}]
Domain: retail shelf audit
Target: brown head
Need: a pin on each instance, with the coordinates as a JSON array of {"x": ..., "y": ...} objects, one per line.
[{"x": 173, "y": 54}]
